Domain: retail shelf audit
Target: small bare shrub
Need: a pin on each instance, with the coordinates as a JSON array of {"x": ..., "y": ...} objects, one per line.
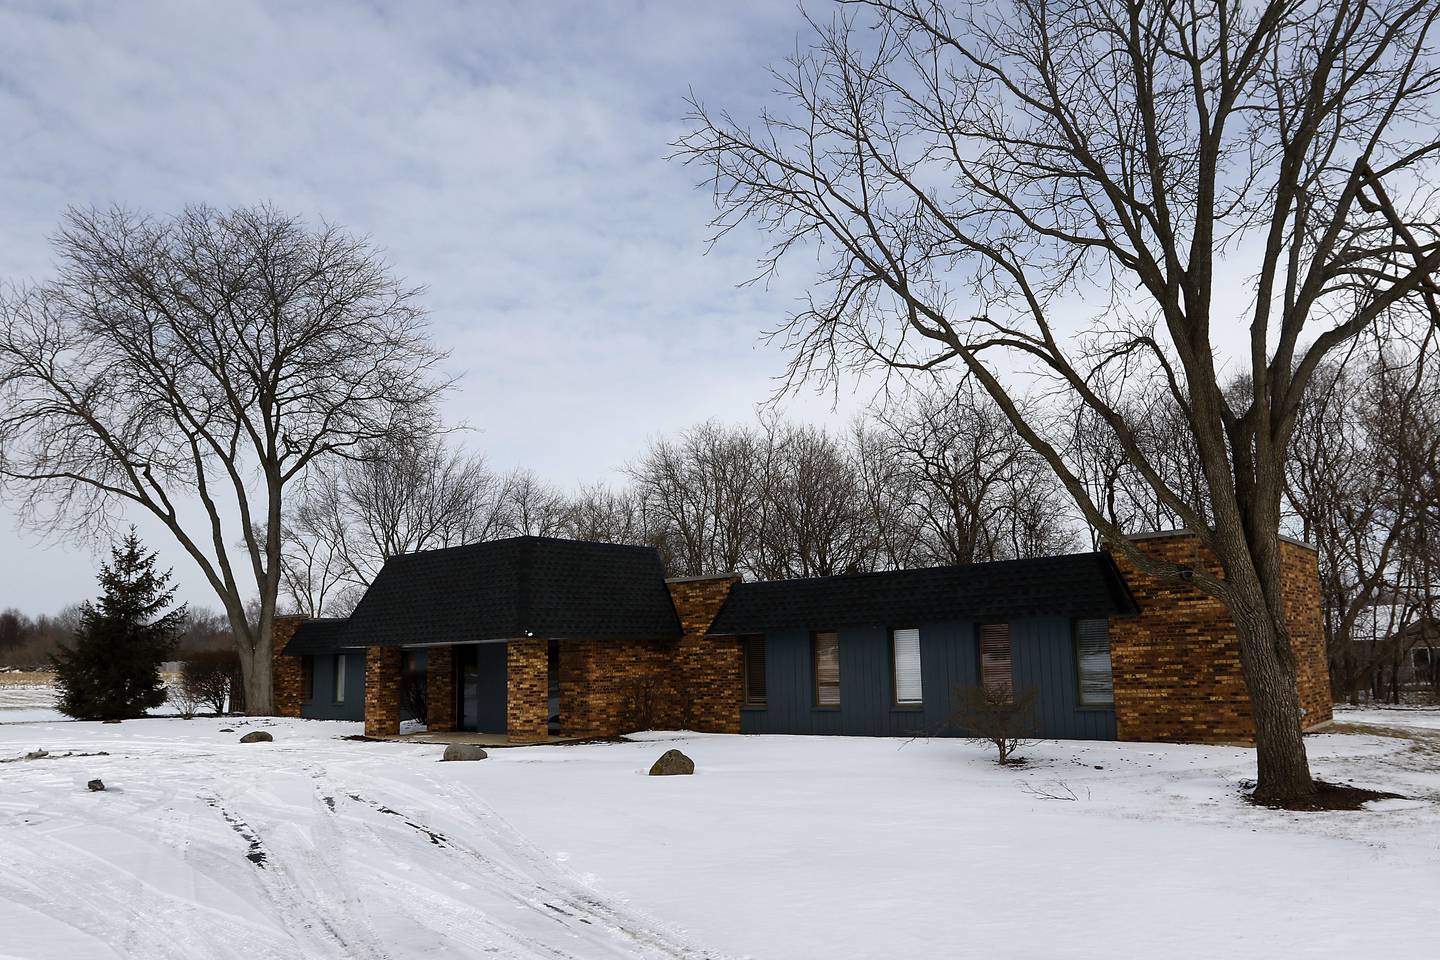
[
  {"x": 641, "y": 696},
  {"x": 207, "y": 677},
  {"x": 184, "y": 700},
  {"x": 992, "y": 714}
]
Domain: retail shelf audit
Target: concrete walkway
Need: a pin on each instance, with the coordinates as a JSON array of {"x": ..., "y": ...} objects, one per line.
[{"x": 480, "y": 739}]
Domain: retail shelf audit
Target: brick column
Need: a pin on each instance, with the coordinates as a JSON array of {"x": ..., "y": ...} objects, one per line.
[
  {"x": 707, "y": 669},
  {"x": 527, "y": 709},
  {"x": 440, "y": 688},
  {"x": 382, "y": 691},
  {"x": 1300, "y": 572},
  {"x": 286, "y": 678}
]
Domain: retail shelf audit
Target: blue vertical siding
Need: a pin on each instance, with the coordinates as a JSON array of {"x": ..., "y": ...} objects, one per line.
[
  {"x": 1043, "y": 652},
  {"x": 1043, "y": 658},
  {"x": 323, "y": 706}
]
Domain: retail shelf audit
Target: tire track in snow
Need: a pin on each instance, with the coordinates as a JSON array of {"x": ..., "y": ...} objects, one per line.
[
  {"x": 530, "y": 878},
  {"x": 289, "y": 881}
]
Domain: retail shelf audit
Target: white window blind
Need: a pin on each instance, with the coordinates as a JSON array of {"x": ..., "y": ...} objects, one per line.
[
  {"x": 827, "y": 669},
  {"x": 906, "y": 651},
  {"x": 340, "y": 678},
  {"x": 1092, "y": 643},
  {"x": 995, "y": 672}
]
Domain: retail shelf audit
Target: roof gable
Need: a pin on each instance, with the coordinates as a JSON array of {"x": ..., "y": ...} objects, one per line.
[
  {"x": 518, "y": 587},
  {"x": 318, "y": 637}
]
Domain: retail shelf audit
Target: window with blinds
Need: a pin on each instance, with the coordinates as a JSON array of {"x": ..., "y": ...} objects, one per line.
[
  {"x": 825, "y": 650},
  {"x": 995, "y": 670},
  {"x": 754, "y": 652},
  {"x": 1092, "y": 648},
  {"x": 905, "y": 658},
  {"x": 340, "y": 678}
]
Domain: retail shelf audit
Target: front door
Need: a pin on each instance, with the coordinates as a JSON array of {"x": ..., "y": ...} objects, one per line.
[{"x": 481, "y": 687}]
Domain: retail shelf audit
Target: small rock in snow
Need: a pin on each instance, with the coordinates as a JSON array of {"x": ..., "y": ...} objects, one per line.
[
  {"x": 96, "y": 785},
  {"x": 464, "y": 751},
  {"x": 256, "y": 736},
  {"x": 37, "y": 754},
  {"x": 672, "y": 763},
  {"x": 227, "y": 729}
]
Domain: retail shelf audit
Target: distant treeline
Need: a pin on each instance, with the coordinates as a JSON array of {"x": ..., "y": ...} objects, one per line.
[{"x": 27, "y": 641}]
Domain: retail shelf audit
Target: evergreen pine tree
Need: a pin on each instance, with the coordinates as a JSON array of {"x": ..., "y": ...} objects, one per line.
[{"x": 113, "y": 670}]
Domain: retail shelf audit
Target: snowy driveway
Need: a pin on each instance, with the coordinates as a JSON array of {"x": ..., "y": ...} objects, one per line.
[
  {"x": 201, "y": 847},
  {"x": 779, "y": 847}
]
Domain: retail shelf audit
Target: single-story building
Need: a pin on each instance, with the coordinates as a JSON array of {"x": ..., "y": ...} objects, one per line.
[{"x": 532, "y": 637}]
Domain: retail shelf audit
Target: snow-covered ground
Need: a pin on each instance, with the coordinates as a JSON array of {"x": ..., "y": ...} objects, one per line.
[
  {"x": 1423, "y": 718},
  {"x": 778, "y": 847},
  {"x": 27, "y": 701}
]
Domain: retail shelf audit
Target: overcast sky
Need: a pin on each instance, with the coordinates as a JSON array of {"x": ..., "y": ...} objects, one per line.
[{"x": 509, "y": 157}]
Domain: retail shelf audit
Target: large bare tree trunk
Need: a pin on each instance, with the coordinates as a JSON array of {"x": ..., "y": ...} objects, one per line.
[{"x": 1268, "y": 663}]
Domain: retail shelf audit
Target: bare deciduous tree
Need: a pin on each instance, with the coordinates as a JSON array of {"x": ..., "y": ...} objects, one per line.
[
  {"x": 398, "y": 495},
  {"x": 598, "y": 512},
  {"x": 974, "y": 490},
  {"x": 1360, "y": 483},
  {"x": 984, "y": 180},
  {"x": 193, "y": 368},
  {"x": 531, "y": 507},
  {"x": 702, "y": 491},
  {"x": 810, "y": 519}
]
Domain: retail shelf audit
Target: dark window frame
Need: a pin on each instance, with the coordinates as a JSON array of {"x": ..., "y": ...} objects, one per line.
[
  {"x": 748, "y": 697},
  {"x": 816, "y": 704},
  {"x": 339, "y": 673},
  {"x": 980, "y": 651},
  {"x": 895, "y": 702},
  {"x": 1080, "y": 703},
  {"x": 307, "y": 679}
]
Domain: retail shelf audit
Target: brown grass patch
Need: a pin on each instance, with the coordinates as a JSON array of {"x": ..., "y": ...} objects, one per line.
[{"x": 27, "y": 678}]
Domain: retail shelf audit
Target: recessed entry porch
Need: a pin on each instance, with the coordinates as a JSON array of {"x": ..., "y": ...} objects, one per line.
[
  {"x": 493, "y": 692},
  {"x": 495, "y": 740}
]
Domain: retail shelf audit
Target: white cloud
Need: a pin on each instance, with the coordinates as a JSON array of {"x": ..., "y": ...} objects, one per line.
[{"x": 508, "y": 157}]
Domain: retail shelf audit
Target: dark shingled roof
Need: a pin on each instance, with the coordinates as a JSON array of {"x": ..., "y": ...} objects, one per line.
[
  {"x": 1079, "y": 585},
  {"x": 522, "y": 586},
  {"x": 316, "y": 638}
]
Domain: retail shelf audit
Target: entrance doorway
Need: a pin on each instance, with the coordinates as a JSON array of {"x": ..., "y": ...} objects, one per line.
[{"x": 481, "y": 687}]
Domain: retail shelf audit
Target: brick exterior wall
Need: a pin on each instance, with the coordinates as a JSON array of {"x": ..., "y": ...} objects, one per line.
[
  {"x": 382, "y": 691},
  {"x": 1177, "y": 665},
  {"x": 528, "y": 691},
  {"x": 615, "y": 686},
  {"x": 440, "y": 689},
  {"x": 707, "y": 669},
  {"x": 287, "y": 677},
  {"x": 1301, "y": 567}
]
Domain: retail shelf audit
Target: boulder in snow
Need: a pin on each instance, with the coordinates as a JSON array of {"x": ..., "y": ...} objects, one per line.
[
  {"x": 464, "y": 751},
  {"x": 672, "y": 763},
  {"x": 256, "y": 736},
  {"x": 96, "y": 785}
]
